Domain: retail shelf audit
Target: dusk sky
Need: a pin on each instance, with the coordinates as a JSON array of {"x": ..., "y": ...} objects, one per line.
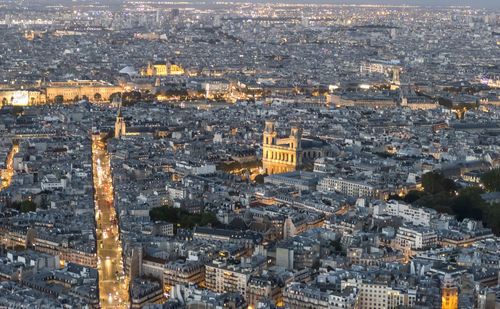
[
  {"x": 473, "y": 3},
  {"x": 493, "y": 4}
]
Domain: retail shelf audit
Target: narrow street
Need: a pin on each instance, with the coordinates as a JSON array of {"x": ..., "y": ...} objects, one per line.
[
  {"x": 7, "y": 176},
  {"x": 113, "y": 285}
]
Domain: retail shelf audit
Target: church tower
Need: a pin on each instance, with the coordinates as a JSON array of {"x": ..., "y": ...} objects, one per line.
[
  {"x": 270, "y": 133},
  {"x": 120, "y": 123},
  {"x": 295, "y": 146},
  {"x": 295, "y": 137}
]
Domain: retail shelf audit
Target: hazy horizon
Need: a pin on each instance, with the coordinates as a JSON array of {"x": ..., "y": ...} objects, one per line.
[
  {"x": 487, "y": 4},
  {"x": 472, "y": 3}
]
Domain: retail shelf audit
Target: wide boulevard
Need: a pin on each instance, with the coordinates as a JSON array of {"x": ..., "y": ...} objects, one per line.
[{"x": 113, "y": 284}]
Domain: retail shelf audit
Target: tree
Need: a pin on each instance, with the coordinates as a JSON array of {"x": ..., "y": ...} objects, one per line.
[
  {"x": 469, "y": 204},
  {"x": 130, "y": 98},
  {"x": 207, "y": 218},
  {"x": 182, "y": 217},
  {"x": 44, "y": 203},
  {"x": 174, "y": 92},
  {"x": 76, "y": 98},
  {"x": 435, "y": 182},
  {"x": 466, "y": 203},
  {"x": 491, "y": 180},
  {"x": 114, "y": 95},
  {"x": 493, "y": 218},
  {"x": 108, "y": 136},
  {"x": 238, "y": 224},
  {"x": 445, "y": 102},
  {"x": 448, "y": 185},
  {"x": 337, "y": 245},
  {"x": 229, "y": 167},
  {"x": 260, "y": 178},
  {"x": 413, "y": 196},
  {"x": 27, "y": 206},
  {"x": 59, "y": 99},
  {"x": 431, "y": 182},
  {"x": 441, "y": 202},
  {"x": 17, "y": 110}
]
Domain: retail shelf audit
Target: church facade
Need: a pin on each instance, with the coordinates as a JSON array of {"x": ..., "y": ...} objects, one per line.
[
  {"x": 280, "y": 155},
  {"x": 162, "y": 68}
]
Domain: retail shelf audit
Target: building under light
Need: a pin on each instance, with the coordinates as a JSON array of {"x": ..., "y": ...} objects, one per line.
[
  {"x": 280, "y": 155},
  {"x": 449, "y": 293},
  {"x": 162, "y": 68}
]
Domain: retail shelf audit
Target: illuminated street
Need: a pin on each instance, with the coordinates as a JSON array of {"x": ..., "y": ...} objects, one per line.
[
  {"x": 159, "y": 154},
  {"x": 10, "y": 169},
  {"x": 113, "y": 286}
]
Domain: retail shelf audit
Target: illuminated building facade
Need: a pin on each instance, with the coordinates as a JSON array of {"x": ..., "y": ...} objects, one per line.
[
  {"x": 30, "y": 35},
  {"x": 177, "y": 272},
  {"x": 145, "y": 292},
  {"x": 449, "y": 293},
  {"x": 280, "y": 155},
  {"x": 60, "y": 248},
  {"x": 79, "y": 89},
  {"x": 393, "y": 67},
  {"x": 373, "y": 294},
  {"x": 492, "y": 80},
  {"x": 259, "y": 287},
  {"x": 21, "y": 97},
  {"x": 52, "y": 92},
  {"x": 300, "y": 295},
  {"x": 222, "y": 277},
  {"x": 162, "y": 69},
  {"x": 348, "y": 187}
]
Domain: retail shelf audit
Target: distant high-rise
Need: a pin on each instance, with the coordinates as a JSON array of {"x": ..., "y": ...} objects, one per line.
[
  {"x": 305, "y": 22},
  {"x": 174, "y": 12},
  {"x": 217, "y": 21}
]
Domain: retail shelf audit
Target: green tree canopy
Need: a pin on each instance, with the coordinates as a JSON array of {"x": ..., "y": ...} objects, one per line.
[
  {"x": 59, "y": 99},
  {"x": 260, "y": 178},
  {"x": 114, "y": 95},
  {"x": 130, "y": 98},
  {"x": 493, "y": 218},
  {"x": 435, "y": 182},
  {"x": 469, "y": 204},
  {"x": 466, "y": 203},
  {"x": 27, "y": 206},
  {"x": 181, "y": 217},
  {"x": 17, "y": 110},
  {"x": 445, "y": 102},
  {"x": 413, "y": 196},
  {"x": 109, "y": 135},
  {"x": 24, "y": 206},
  {"x": 491, "y": 180}
]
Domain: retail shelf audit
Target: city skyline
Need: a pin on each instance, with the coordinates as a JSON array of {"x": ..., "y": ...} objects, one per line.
[
  {"x": 492, "y": 4},
  {"x": 188, "y": 155}
]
